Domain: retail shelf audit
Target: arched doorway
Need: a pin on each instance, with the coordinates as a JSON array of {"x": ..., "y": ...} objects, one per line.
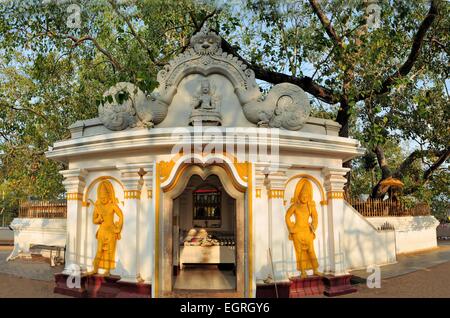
[
  {"x": 168, "y": 255},
  {"x": 204, "y": 237}
]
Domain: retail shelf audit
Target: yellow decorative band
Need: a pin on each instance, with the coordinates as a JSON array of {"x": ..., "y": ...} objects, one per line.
[
  {"x": 149, "y": 194},
  {"x": 275, "y": 194},
  {"x": 132, "y": 194},
  {"x": 335, "y": 195},
  {"x": 74, "y": 196},
  {"x": 258, "y": 193}
]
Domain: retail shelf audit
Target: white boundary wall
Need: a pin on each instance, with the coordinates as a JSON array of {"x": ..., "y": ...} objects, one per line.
[
  {"x": 412, "y": 233},
  {"x": 34, "y": 231},
  {"x": 363, "y": 244}
]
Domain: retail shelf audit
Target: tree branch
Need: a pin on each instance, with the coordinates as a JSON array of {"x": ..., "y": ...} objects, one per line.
[
  {"x": 442, "y": 158},
  {"x": 77, "y": 42},
  {"x": 326, "y": 23},
  {"x": 305, "y": 82},
  {"x": 413, "y": 54},
  {"x": 133, "y": 31}
]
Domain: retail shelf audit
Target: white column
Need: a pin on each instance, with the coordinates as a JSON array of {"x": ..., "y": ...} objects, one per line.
[
  {"x": 334, "y": 185},
  {"x": 130, "y": 243},
  {"x": 278, "y": 233},
  {"x": 147, "y": 227},
  {"x": 261, "y": 225},
  {"x": 74, "y": 182}
]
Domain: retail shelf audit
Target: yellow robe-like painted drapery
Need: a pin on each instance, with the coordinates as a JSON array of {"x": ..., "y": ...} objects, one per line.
[
  {"x": 302, "y": 231},
  {"x": 109, "y": 231}
]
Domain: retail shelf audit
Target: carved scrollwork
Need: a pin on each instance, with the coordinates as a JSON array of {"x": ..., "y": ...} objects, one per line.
[
  {"x": 116, "y": 115},
  {"x": 286, "y": 105},
  {"x": 135, "y": 109}
]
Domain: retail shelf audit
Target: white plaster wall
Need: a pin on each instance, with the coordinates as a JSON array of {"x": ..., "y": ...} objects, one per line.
[
  {"x": 412, "y": 233},
  {"x": 363, "y": 244},
  {"x": 261, "y": 236},
  {"x": 146, "y": 244},
  {"x": 28, "y": 231}
]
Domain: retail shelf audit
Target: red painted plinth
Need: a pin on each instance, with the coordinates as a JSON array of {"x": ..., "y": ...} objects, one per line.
[
  {"x": 97, "y": 286},
  {"x": 338, "y": 285},
  {"x": 327, "y": 285},
  {"x": 309, "y": 286},
  {"x": 270, "y": 290}
]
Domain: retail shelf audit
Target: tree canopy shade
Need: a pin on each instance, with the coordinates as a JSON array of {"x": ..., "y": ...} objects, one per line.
[{"x": 379, "y": 68}]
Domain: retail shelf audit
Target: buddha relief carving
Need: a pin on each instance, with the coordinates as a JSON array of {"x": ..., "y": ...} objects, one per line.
[{"x": 206, "y": 106}]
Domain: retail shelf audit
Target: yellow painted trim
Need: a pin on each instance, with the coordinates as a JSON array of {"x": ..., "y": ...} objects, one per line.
[
  {"x": 335, "y": 195},
  {"x": 93, "y": 182},
  {"x": 242, "y": 170},
  {"x": 275, "y": 194},
  {"x": 157, "y": 216},
  {"x": 316, "y": 181},
  {"x": 132, "y": 194},
  {"x": 149, "y": 194},
  {"x": 74, "y": 196},
  {"x": 258, "y": 193},
  {"x": 165, "y": 169},
  {"x": 250, "y": 229},
  {"x": 184, "y": 166}
]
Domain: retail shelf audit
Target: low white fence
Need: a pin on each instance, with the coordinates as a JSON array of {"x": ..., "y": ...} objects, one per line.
[{"x": 36, "y": 231}]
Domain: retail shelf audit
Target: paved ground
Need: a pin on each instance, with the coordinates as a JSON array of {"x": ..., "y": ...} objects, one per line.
[
  {"x": 37, "y": 270},
  {"x": 433, "y": 282},
  {"x": 408, "y": 263},
  {"x": 422, "y": 275},
  {"x": 17, "y": 287},
  {"x": 26, "y": 278}
]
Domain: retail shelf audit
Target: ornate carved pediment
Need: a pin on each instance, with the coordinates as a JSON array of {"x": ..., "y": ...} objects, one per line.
[{"x": 285, "y": 106}]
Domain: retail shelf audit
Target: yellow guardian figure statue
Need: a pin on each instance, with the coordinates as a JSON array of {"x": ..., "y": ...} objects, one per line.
[
  {"x": 302, "y": 231},
  {"x": 109, "y": 231}
]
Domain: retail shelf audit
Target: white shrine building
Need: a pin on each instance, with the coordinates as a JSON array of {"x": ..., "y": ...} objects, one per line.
[{"x": 207, "y": 152}]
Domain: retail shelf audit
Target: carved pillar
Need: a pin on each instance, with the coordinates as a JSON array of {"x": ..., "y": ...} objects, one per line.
[
  {"x": 278, "y": 232},
  {"x": 74, "y": 182},
  {"x": 147, "y": 225},
  {"x": 334, "y": 185},
  {"x": 130, "y": 242},
  {"x": 261, "y": 226}
]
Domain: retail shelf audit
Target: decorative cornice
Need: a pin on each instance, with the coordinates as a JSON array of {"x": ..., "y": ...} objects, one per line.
[
  {"x": 148, "y": 140},
  {"x": 74, "y": 180}
]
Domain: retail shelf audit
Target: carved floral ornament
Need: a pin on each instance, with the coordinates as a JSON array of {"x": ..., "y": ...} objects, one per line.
[{"x": 285, "y": 106}]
